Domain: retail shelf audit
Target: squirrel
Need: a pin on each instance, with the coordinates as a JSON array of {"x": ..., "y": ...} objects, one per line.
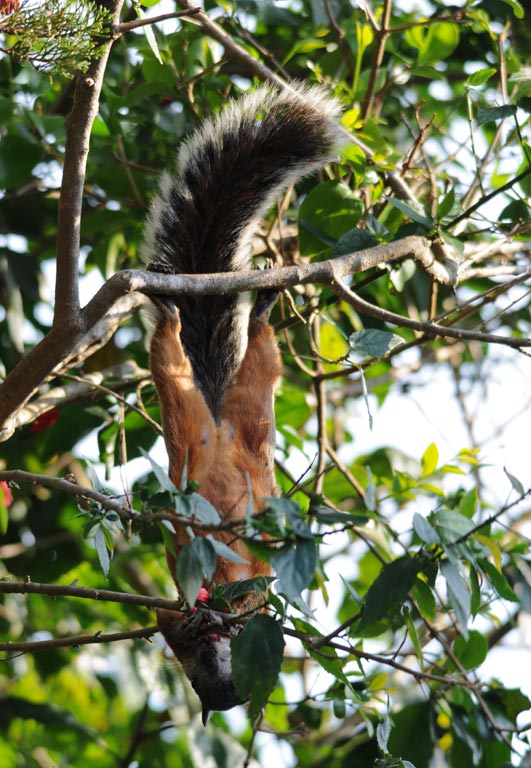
[{"x": 214, "y": 359}]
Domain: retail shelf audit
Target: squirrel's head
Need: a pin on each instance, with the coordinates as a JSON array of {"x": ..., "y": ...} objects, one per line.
[{"x": 205, "y": 656}]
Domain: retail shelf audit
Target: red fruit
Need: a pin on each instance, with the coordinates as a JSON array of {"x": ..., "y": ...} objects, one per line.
[
  {"x": 203, "y": 596},
  {"x": 46, "y": 419},
  {"x": 6, "y": 491}
]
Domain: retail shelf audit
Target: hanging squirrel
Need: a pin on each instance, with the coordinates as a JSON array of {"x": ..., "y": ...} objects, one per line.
[{"x": 214, "y": 359}]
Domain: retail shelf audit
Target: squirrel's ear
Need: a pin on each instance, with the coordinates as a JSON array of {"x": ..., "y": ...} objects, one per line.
[{"x": 204, "y": 713}]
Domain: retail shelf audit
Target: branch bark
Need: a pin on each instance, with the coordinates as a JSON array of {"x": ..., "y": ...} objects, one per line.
[
  {"x": 436, "y": 260},
  {"x": 78, "y": 129},
  {"x": 70, "y": 590},
  {"x": 31, "y": 646}
]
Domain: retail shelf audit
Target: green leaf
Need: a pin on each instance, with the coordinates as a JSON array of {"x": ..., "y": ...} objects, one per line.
[
  {"x": 383, "y": 731},
  {"x": 451, "y": 525},
  {"x": 373, "y": 343},
  {"x": 498, "y": 580},
  {"x": 517, "y": 8},
  {"x": 480, "y": 76},
  {"x": 389, "y": 590},
  {"x": 413, "y": 635},
  {"x": 222, "y": 550},
  {"x": 458, "y": 592},
  {"x": 150, "y": 37},
  {"x": 439, "y": 42},
  {"x": 429, "y": 460},
  {"x": 293, "y": 513},
  {"x": 414, "y": 212},
  {"x": 196, "y": 507},
  {"x": 329, "y": 211},
  {"x": 166, "y": 530},
  {"x": 196, "y": 563},
  {"x": 101, "y": 550},
  {"x": 453, "y": 242},
  {"x": 446, "y": 204},
  {"x": 295, "y": 567},
  {"x": 468, "y": 503},
  {"x": 354, "y": 240},
  {"x": 331, "y": 516},
  {"x": 256, "y": 660},
  {"x": 327, "y": 658},
  {"x": 425, "y": 599},
  {"x": 515, "y": 482},
  {"x": 471, "y": 651},
  {"x": 160, "y": 473},
  {"x": 492, "y": 114},
  {"x": 424, "y": 530},
  {"x": 370, "y": 491},
  {"x": 234, "y": 590}
]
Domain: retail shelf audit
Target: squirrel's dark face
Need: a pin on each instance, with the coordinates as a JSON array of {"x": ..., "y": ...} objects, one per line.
[
  {"x": 210, "y": 673},
  {"x": 205, "y": 657}
]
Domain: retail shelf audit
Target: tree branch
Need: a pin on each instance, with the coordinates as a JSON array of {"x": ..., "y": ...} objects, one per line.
[
  {"x": 78, "y": 129},
  {"x": 436, "y": 260},
  {"x": 127, "y": 26},
  {"x": 345, "y": 294},
  {"x": 74, "y": 642},
  {"x": 70, "y": 590}
]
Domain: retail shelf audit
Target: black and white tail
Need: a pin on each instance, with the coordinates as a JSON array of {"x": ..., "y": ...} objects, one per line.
[{"x": 228, "y": 174}]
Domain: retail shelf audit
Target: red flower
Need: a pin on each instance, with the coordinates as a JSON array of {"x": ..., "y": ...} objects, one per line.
[
  {"x": 5, "y": 490},
  {"x": 46, "y": 419},
  {"x": 8, "y": 6},
  {"x": 203, "y": 596}
]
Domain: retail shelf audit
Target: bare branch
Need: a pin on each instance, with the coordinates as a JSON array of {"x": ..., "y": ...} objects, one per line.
[
  {"x": 127, "y": 26},
  {"x": 128, "y": 373},
  {"x": 78, "y": 129},
  {"x": 70, "y": 590},
  {"x": 345, "y": 294},
  {"x": 433, "y": 257},
  {"x": 74, "y": 642}
]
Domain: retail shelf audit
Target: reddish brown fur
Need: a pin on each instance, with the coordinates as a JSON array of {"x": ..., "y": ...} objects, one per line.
[{"x": 220, "y": 458}]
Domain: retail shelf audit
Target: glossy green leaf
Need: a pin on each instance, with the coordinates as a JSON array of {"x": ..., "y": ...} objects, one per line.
[
  {"x": 424, "y": 530},
  {"x": 498, "y": 580},
  {"x": 430, "y": 459},
  {"x": 480, "y": 76},
  {"x": 328, "y": 212},
  {"x": 471, "y": 651},
  {"x": 295, "y": 567},
  {"x": 256, "y": 660},
  {"x": 389, "y": 590},
  {"x": 195, "y": 564},
  {"x": 372, "y": 342},
  {"x": 459, "y": 593}
]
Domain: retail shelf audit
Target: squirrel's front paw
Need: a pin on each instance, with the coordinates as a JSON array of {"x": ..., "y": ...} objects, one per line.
[
  {"x": 263, "y": 304},
  {"x": 167, "y": 307}
]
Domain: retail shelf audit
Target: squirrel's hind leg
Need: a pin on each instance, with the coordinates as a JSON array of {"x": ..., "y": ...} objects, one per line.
[{"x": 187, "y": 423}]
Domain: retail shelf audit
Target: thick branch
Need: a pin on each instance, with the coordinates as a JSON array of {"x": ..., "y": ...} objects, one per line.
[
  {"x": 435, "y": 259},
  {"x": 78, "y": 129}
]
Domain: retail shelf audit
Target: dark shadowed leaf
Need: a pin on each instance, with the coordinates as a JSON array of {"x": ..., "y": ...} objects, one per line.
[
  {"x": 389, "y": 590},
  {"x": 256, "y": 660},
  {"x": 295, "y": 567},
  {"x": 196, "y": 562}
]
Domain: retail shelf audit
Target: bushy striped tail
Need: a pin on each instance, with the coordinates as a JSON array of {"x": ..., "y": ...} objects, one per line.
[{"x": 228, "y": 174}]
